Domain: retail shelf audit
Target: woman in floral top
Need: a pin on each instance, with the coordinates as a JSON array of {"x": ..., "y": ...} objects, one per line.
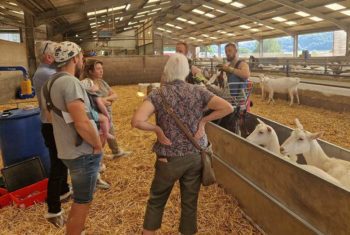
[{"x": 177, "y": 158}]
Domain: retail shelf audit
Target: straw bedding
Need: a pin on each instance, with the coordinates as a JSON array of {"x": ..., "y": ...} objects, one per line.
[
  {"x": 336, "y": 125},
  {"x": 120, "y": 210}
]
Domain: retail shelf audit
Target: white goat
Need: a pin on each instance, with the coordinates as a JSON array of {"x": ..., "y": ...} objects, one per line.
[
  {"x": 265, "y": 136},
  {"x": 303, "y": 142},
  {"x": 281, "y": 85}
]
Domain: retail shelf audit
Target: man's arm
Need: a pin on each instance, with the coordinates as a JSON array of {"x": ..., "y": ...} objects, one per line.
[
  {"x": 83, "y": 125},
  {"x": 242, "y": 71}
]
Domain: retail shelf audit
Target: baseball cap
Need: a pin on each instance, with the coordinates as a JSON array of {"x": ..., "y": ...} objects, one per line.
[{"x": 65, "y": 51}]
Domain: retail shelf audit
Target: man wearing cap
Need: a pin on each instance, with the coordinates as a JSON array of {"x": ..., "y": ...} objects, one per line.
[
  {"x": 76, "y": 135},
  {"x": 58, "y": 188}
]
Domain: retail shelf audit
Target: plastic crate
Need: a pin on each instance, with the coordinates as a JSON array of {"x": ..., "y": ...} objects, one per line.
[
  {"x": 5, "y": 198},
  {"x": 29, "y": 195},
  {"x": 22, "y": 174}
]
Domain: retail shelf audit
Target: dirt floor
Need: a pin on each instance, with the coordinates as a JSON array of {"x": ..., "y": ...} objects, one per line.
[{"x": 120, "y": 210}]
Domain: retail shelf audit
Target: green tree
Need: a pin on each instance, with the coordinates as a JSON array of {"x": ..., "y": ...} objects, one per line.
[
  {"x": 243, "y": 50},
  {"x": 272, "y": 45}
]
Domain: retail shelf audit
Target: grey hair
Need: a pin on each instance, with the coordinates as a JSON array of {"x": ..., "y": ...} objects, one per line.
[
  {"x": 176, "y": 68},
  {"x": 45, "y": 48}
]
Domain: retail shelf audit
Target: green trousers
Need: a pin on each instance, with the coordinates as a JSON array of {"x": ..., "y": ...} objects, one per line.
[
  {"x": 112, "y": 143},
  {"x": 187, "y": 170}
]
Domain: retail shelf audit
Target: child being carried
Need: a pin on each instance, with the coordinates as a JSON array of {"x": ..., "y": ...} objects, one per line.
[{"x": 99, "y": 111}]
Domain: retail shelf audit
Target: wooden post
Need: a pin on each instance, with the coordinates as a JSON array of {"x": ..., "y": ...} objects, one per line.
[
  {"x": 29, "y": 40},
  {"x": 347, "y": 53},
  {"x": 21, "y": 34},
  {"x": 49, "y": 32}
]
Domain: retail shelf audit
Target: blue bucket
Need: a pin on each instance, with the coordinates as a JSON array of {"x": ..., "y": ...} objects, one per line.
[{"x": 20, "y": 137}]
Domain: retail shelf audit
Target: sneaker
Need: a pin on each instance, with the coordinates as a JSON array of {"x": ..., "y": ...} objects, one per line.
[
  {"x": 101, "y": 184},
  {"x": 67, "y": 195},
  {"x": 121, "y": 153},
  {"x": 56, "y": 219},
  {"x": 102, "y": 168}
]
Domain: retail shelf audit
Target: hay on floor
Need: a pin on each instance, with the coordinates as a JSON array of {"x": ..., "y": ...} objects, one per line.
[{"x": 120, "y": 210}]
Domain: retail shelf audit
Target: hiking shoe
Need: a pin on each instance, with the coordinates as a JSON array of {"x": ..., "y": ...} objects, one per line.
[
  {"x": 120, "y": 154},
  {"x": 56, "y": 219},
  {"x": 102, "y": 168},
  {"x": 65, "y": 197},
  {"x": 101, "y": 184}
]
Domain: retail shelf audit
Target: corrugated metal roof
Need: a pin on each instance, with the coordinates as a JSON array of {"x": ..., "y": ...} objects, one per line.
[{"x": 246, "y": 19}]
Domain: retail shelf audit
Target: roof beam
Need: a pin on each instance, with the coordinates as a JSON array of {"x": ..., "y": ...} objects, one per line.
[
  {"x": 67, "y": 27},
  {"x": 213, "y": 24},
  {"x": 299, "y": 7},
  {"x": 23, "y": 6},
  {"x": 11, "y": 16},
  {"x": 244, "y": 16},
  {"x": 165, "y": 8},
  {"x": 161, "y": 13},
  {"x": 135, "y": 11},
  {"x": 6, "y": 21},
  {"x": 89, "y": 5}
]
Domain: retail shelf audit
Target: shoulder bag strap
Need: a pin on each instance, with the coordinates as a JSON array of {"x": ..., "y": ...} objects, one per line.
[{"x": 178, "y": 122}]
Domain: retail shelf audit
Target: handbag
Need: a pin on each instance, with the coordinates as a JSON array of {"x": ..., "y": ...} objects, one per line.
[{"x": 208, "y": 174}]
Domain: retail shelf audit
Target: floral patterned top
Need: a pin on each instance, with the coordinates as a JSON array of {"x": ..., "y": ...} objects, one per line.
[{"x": 188, "y": 102}]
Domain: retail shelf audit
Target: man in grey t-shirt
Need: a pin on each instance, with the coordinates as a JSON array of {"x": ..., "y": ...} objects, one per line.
[
  {"x": 77, "y": 140},
  {"x": 57, "y": 188}
]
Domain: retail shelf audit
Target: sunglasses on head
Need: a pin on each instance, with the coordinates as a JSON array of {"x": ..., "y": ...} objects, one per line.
[{"x": 45, "y": 47}]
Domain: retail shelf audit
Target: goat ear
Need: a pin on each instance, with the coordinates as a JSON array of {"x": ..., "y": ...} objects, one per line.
[
  {"x": 259, "y": 120},
  {"x": 269, "y": 129},
  {"x": 316, "y": 135},
  {"x": 297, "y": 122}
]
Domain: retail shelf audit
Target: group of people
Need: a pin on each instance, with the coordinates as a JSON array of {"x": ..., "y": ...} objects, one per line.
[
  {"x": 72, "y": 106},
  {"x": 71, "y": 111}
]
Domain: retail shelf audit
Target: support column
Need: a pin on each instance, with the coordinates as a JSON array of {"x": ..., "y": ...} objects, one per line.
[
  {"x": 157, "y": 44},
  {"x": 49, "y": 32},
  {"x": 347, "y": 53},
  {"x": 30, "y": 43},
  {"x": 295, "y": 45},
  {"x": 192, "y": 50},
  {"x": 219, "y": 51},
  {"x": 21, "y": 34},
  {"x": 261, "y": 48},
  {"x": 144, "y": 38}
]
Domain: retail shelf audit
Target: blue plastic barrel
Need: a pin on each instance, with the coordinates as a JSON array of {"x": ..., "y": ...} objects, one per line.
[{"x": 20, "y": 137}]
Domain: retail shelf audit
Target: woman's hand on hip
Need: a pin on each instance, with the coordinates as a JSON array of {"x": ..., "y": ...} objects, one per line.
[
  {"x": 161, "y": 136},
  {"x": 201, "y": 130}
]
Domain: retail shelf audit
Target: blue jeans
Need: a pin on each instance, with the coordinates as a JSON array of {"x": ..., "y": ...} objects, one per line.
[{"x": 83, "y": 171}]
